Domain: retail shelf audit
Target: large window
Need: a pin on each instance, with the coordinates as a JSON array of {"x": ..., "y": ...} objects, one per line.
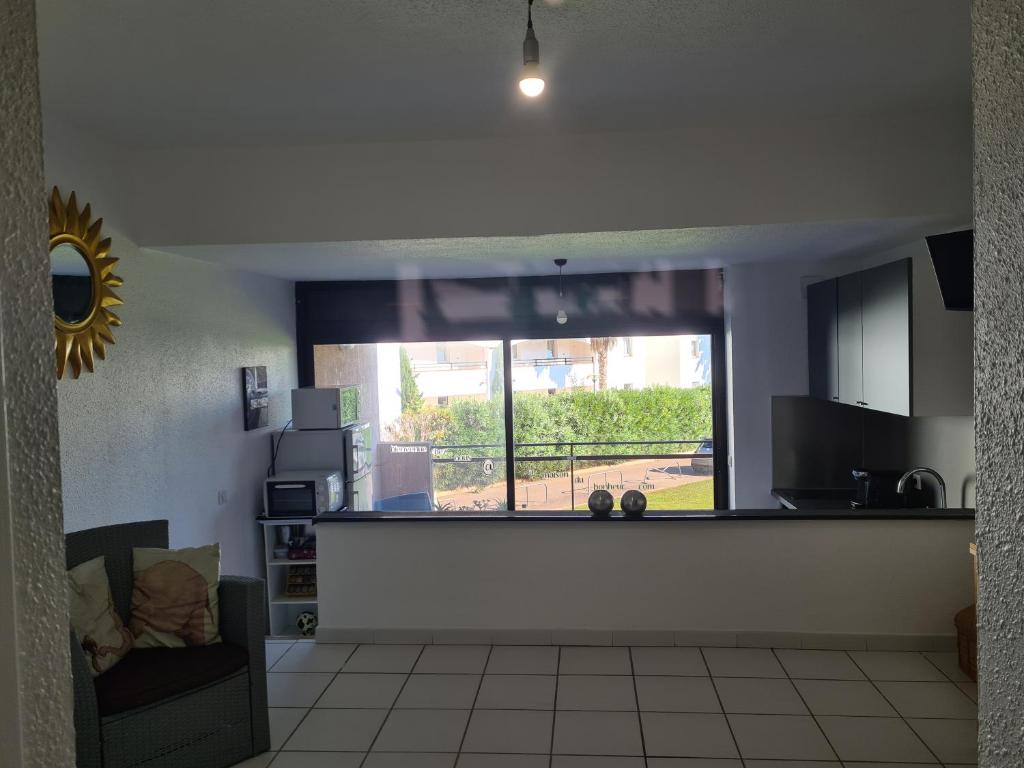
[
  {"x": 613, "y": 413},
  {"x": 619, "y": 413},
  {"x": 438, "y": 416}
]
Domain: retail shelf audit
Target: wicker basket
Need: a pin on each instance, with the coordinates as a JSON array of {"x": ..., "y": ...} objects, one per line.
[
  {"x": 967, "y": 628},
  {"x": 967, "y": 641}
]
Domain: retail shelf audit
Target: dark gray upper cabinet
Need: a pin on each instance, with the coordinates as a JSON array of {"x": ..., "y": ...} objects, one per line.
[
  {"x": 822, "y": 340},
  {"x": 851, "y": 340},
  {"x": 870, "y": 365},
  {"x": 885, "y": 312}
]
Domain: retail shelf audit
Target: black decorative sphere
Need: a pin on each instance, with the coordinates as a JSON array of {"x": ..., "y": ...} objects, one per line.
[
  {"x": 601, "y": 502},
  {"x": 633, "y": 503}
]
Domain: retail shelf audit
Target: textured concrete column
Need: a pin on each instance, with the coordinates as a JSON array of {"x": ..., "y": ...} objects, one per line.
[
  {"x": 999, "y": 373},
  {"x": 36, "y": 723}
]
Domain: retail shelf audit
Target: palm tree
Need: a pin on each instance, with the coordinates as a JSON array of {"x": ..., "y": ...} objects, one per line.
[{"x": 600, "y": 347}]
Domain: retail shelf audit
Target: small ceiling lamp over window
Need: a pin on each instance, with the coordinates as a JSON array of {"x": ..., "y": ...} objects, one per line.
[
  {"x": 561, "y": 317},
  {"x": 531, "y": 82}
]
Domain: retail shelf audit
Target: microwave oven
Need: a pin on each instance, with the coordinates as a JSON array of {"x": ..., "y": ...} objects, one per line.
[{"x": 303, "y": 493}]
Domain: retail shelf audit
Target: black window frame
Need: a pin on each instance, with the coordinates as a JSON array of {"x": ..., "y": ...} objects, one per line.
[
  {"x": 718, "y": 410},
  {"x": 406, "y": 311},
  {"x": 719, "y": 400}
]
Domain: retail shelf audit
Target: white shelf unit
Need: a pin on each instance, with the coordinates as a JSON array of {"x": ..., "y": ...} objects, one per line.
[{"x": 282, "y": 610}]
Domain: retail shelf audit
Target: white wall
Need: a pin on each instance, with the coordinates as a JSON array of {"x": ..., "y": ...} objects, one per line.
[
  {"x": 943, "y": 345},
  {"x": 36, "y": 717},
  {"x": 156, "y": 431},
  {"x": 766, "y": 345},
  {"x": 709, "y": 174},
  {"x": 76, "y": 160},
  {"x": 946, "y": 444},
  {"x": 999, "y": 297},
  {"x": 860, "y": 577}
]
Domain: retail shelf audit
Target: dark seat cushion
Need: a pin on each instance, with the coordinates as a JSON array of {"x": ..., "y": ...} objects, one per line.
[{"x": 149, "y": 675}]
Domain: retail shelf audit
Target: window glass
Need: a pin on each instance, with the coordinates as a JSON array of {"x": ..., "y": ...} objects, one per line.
[
  {"x": 613, "y": 413},
  {"x": 437, "y": 414}
]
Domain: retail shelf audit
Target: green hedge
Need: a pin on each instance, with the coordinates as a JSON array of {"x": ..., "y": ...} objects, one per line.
[
  {"x": 652, "y": 414},
  {"x": 656, "y": 413}
]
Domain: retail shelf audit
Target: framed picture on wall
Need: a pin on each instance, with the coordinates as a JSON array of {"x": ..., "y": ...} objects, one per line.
[{"x": 255, "y": 397}]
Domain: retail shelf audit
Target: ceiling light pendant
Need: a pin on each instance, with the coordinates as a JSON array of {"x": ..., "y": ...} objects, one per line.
[
  {"x": 561, "y": 317},
  {"x": 531, "y": 82}
]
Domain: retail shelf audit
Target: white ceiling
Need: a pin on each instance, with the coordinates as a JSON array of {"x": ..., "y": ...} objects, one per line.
[
  {"x": 587, "y": 253},
  {"x": 192, "y": 73},
  {"x": 196, "y": 72}
]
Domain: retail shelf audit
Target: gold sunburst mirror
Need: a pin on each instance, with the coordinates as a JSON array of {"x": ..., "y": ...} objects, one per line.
[{"x": 82, "y": 273}]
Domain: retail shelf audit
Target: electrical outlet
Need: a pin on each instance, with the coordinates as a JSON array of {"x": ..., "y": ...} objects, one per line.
[{"x": 222, "y": 498}]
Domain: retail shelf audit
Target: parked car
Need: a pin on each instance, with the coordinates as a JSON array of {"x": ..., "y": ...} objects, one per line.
[{"x": 704, "y": 462}]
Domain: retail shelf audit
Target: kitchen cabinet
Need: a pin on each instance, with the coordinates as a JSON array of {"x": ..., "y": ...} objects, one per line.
[
  {"x": 870, "y": 365},
  {"x": 885, "y": 319},
  {"x": 850, "y": 335},
  {"x": 822, "y": 340}
]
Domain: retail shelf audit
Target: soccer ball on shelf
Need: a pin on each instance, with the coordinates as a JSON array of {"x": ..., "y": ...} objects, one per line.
[{"x": 306, "y": 622}]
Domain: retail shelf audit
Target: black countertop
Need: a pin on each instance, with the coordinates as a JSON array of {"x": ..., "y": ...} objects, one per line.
[
  {"x": 835, "y": 513},
  {"x": 838, "y": 500},
  {"x": 815, "y": 498}
]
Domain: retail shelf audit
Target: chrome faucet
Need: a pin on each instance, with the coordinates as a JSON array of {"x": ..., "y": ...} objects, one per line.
[{"x": 902, "y": 484}]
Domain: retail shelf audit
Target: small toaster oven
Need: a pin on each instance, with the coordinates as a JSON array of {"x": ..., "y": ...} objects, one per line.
[{"x": 303, "y": 493}]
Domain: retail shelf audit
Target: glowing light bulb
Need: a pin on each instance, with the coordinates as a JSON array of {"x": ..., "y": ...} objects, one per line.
[
  {"x": 532, "y": 82},
  {"x": 561, "y": 318}
]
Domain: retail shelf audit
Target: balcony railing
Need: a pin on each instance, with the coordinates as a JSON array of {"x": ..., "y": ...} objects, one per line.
[
  {"x": 546, "y": 362},
  {"x": 469, "y": 365},
  {"x": 570, "y": 454}
]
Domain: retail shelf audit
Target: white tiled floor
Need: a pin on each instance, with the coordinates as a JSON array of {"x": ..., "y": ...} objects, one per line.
[
  {"x": 476, "y": 706},
  {"x": 516, "y": 692}
]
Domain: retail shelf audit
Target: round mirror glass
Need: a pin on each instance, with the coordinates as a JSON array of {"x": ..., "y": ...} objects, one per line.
[{"x": 72, "y": 284}]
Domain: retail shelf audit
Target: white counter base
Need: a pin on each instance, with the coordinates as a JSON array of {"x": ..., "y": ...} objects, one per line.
[{"x": 815, "y": 583}]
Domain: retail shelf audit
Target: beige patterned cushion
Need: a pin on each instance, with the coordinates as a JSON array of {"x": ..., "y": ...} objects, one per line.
[
  {"x": 174, "y": 600},
  {"x": 94, "y": 618}
]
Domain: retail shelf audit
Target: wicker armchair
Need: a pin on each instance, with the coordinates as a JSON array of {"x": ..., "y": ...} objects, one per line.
[{"x": 168, "y": 708}]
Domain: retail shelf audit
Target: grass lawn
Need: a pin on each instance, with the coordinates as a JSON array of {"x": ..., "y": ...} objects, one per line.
[{"x": 698, "y": 495}]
